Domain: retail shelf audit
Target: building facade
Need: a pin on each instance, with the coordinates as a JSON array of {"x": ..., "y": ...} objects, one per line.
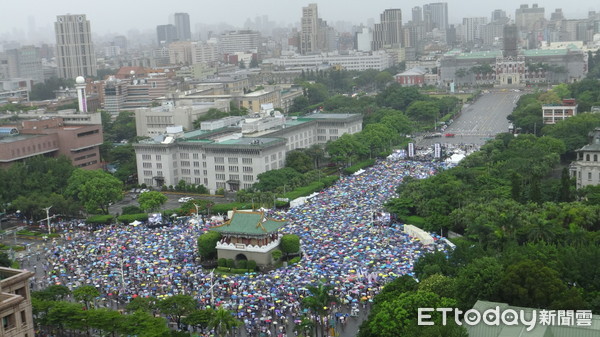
[
  {"x": 15, "y": 303},
  {"x": 25, "y": 62},
  {"x": 182, "y": 26},
  {"x": 51, "y": 137},
  {"x": 554, "y": 113},
  {"x": 74, "y": 48},
  {"x": 222, "y": 158},
  {"x": 586, "y": 168},
  {"x": 388, "y": 33},
  {"x": 378, "y": 60},
  {"x": 165, "y": 34}
]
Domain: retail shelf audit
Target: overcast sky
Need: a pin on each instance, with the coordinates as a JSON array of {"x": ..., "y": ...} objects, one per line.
[{"x": 119, "y": 16}]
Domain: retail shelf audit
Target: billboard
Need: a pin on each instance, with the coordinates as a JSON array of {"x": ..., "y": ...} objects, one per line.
[{"x": 437, "y": 150}]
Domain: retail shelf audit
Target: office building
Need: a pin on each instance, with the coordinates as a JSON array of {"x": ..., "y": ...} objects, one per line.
[
  {"x": 435, "y": 15},
  {"x": 222, "y": 158},
  {"x": 26, "y": 63},
  {"x": 472, "y": 29},
  {"x": 309, "y": 34},
  {"x": 417, "y": 15},
  {"x": 51, "y": 137},
  {"x": 15, "y": 303},
  {"x": 499, "y": 15},
  {"x": 239, "y": 41},
  {"x": 166, "y": 34},
  {"x": 74, "y": 48},
  {"x": 554, "y": 113},
  {"x": 528, "y": 19},
  {"x": 182, "y": 26},
  {"x": 388, "y": 33},
  {"x": 359, "y": 61}
]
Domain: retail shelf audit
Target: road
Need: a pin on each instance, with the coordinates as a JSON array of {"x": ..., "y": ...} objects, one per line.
[
  {"x": 130, "y": 199},
  {"x": 479, "y": 121}
]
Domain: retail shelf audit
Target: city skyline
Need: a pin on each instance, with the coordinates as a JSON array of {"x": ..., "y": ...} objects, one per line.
[{"x": 119, "y": 18}]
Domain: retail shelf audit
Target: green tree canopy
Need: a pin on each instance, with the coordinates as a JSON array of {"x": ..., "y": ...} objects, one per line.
[
  {"x": 95, "y": 189},
  {"x": 151, "y": 201},
  {"x": 207, "y": 244}
]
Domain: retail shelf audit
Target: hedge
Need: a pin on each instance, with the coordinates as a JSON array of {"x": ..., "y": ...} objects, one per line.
[
  {"x": 100, "y": 219},
  {"x": 127, "y": 218},
  {"x": 223, "y": 208},
  {"x": 358, "y": 166}
]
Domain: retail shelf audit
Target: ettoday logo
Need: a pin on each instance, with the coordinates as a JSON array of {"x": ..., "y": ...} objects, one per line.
[{"x": 496, "y": 316}]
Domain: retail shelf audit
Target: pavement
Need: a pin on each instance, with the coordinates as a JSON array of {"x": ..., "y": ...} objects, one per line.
[{"x": 479, "y": 121}]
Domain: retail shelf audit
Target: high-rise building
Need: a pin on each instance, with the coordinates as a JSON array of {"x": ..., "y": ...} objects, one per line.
[
  {"x": 239, "y": 41},
  {"x": 25, "y": 62},
  {"x": 388, "y": 33},
  {"x": 74, "y": 49},
  {"x": 166, "y": 34},
  {"x": 499, "y": 15},
  {"x": 309, "y": 34},
  {"x": 510, "y": 38},
  {"x": 472, "y": 28},
  {"x": 417, "y": 15},
  {"x": 435, "y": 15},
  {"x": 182, "y": 25},
  {"x": 528, "y": 19}
]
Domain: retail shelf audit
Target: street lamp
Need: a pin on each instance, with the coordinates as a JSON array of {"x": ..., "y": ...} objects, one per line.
[
  {"x": 47, "y": 209},
  {"x": 197, "y": 215}
]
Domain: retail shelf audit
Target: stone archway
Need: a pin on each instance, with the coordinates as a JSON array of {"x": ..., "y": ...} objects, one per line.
[{"x": 241, "y": 257}]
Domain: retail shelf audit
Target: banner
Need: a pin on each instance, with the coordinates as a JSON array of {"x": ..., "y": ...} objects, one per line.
[
  {"x": 411, "y": 150},
  {"x": 437, "y": 150}
]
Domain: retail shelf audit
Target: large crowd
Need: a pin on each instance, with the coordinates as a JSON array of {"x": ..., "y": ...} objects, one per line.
[{"x": 341, "y": 244}]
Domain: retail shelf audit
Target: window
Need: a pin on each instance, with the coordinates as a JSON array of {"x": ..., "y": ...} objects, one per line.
[
  {"x": 247, "y": 169},
  {"x": 234, "y": 177},
  {"x": 247, "y": 186},
  {"x": 198, "y": 181},
  {"x": 146, "y": 157},
  {"x": 196, "y": 172},
  {"x": 595, "y": 157},
  {"x": 147, "y": 165},
  {"x": 184, "y": 156},
  {"x": 248, "y": 177},
  {"x": 587, "y": 157},
  {"x": 159, "y": 165},
  {"x": 185, "y": 164},
  {"x": 196, "y": 164},
  {"x": 185, "y": 171},
  {"x": 589, "y": 175},
  {"x": 195, "y": 156},
  {"x": 158, "y": 157},
  {"x": 246, "y": 160},
  {"x": 148, "y": 173},
  {"x": 220, "y": 176},
  {"x": 8, "y": 322},
  {"x": 219, "y": 160},
  {"x": 234, "y": 169},
  {"x": 220, "y": 168},
  {"x": 23, "y": 318},
  {"x": 220, "y": 185},
  {"x": 232, "y": 160},
  {"x": 159, "y": 173}
]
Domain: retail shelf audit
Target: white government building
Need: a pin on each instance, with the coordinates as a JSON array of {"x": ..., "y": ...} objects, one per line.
[{"x": 225, "y": 155}]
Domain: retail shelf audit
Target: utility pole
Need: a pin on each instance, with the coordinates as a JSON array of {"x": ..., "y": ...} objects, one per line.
[
  {"x": 197, "y": 215},
  {"x": 47, "y": 209}
]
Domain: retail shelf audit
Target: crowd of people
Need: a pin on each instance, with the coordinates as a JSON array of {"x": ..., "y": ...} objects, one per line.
[{"x": 341, "y": 245}]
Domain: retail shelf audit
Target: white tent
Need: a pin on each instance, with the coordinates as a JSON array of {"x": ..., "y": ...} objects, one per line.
[{"x": 135, "y": 223}]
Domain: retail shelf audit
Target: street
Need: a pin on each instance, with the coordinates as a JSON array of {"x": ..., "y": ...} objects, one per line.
[{"x": 480, "y": 120}]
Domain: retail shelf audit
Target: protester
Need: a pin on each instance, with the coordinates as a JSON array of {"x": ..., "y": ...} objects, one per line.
[{"x": 341, "y": 246}]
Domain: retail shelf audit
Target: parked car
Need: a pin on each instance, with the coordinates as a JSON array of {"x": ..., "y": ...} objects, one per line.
[
  {"x": 185, "y": 199},
  {"x": 450, "y": 135}
]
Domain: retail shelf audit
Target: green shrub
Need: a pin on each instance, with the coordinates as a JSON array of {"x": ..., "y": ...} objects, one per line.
[
  {"x": 100, "y": 219},
  {"x": 128, "y": 218},
  {"x": 242, "y": 264},
  {"x": 251, "y": 265},
  {"x": 230, "y": 263},
  {"x": 276, "y": 254},
  {"x": 290, "y": 244},
  {"x": 207, "y": 244},
  {"x": 222, "y": 262},
  {"x": 295, "y": 260},
  {"x": 131, "y": 210}
]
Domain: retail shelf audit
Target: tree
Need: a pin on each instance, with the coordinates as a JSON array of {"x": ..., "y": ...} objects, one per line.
[
  {"x": 424, "y": 111},
  {"x": 276, "y": 254},
  {"x": 290, "y": 244},
  {"x": 151, "y": 201},
  {"x": 199, "y": 318},
  {"x": 96, "y": 189},
  {"x": 104, "y": 319},
  {"x": 177, "y": 306},
  {"x": 299, "y": 161},
  {"x": 86, "y": 294},
  {"x": 270, "y": 180},
  {"x": 479, "y": 280},
  {"x": 145, "y": 304},
  {"x": 52, "y": 293},
  {"x": 382, "y": 79},
  {"x": 143, "y": 324},
  {"x": 440, "y": 285},
  {"x": 207, "y": 244},
  {"x": 531, "y": 284},
  {"x": 319, "y": 302},
  {"x": 299, "y": 104},
  {"x": 223, "y": 322}
]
